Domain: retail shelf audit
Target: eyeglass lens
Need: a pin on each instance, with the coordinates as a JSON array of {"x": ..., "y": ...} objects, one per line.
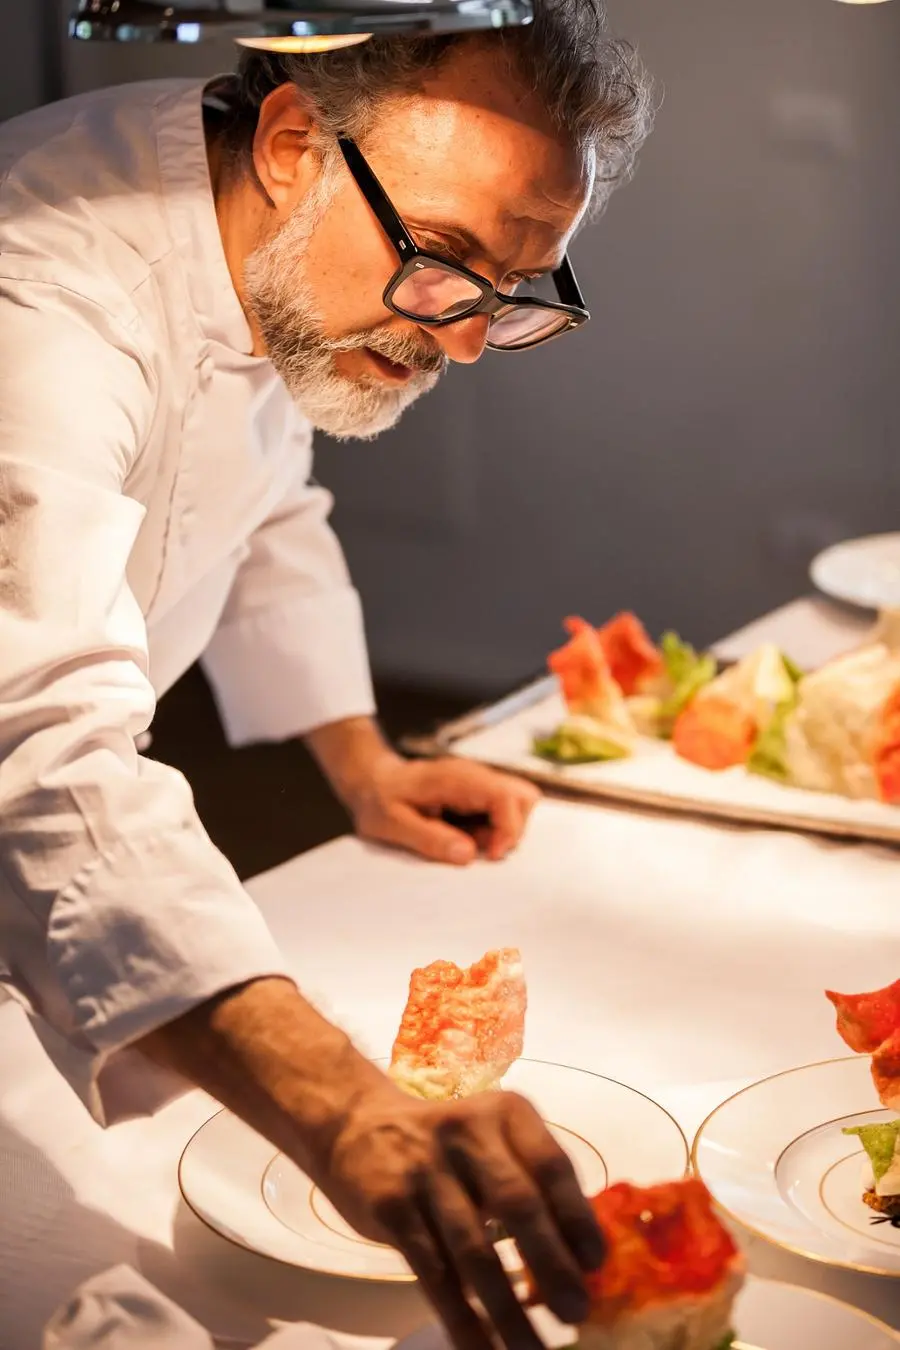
[{"x": 433, "y": 293}]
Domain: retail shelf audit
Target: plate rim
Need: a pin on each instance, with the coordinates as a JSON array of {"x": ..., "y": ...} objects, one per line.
[
  {"x": 821, "y": 558},
  {"x": 751, "y": 1228},
  {"x": 756, "y": 1280},
  {"x": 397, "y": 1278},
  {"x": 825, "y": 1297}
]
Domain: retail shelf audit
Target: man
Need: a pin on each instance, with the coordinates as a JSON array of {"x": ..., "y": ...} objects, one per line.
[{"x": 189, "y": 279}]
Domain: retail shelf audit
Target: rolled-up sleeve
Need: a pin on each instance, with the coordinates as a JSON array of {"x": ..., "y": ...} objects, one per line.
[
  {"x": 117, "y": 913},
  {"x": 289, "y": 654}
]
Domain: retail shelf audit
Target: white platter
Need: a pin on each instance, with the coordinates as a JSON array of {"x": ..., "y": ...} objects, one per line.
[
  {"x": 776, "y": 1161},
  {"x": 864, "y": 572},
  {"x": 242, "y": 1188},
  {"x": 656, "y": 777},
  {"x": 768, "y": 1316}
]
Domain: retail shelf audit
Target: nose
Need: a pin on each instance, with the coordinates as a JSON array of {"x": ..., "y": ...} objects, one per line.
[{"x": 463, "y": 341}]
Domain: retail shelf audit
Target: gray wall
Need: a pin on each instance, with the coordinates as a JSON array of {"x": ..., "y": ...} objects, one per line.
[{"x": 733, "y": 406}]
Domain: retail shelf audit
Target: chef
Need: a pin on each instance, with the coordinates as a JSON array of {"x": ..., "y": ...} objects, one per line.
[{"x": 191, "y": 279}]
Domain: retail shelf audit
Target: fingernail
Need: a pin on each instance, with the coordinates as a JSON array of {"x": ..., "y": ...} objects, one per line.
[{"x": 459, "y": 853}]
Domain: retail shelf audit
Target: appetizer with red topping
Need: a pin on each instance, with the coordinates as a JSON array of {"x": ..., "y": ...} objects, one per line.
[
  {"x": 461, "y": 1029},
  {"x": 671, "y": 1271},
  {"x": 836, "y": 729},
  {"x": 870, "y": 1025}
]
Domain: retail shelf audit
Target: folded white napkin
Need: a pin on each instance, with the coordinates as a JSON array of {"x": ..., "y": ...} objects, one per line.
[{"x": 119, "y": 1310}]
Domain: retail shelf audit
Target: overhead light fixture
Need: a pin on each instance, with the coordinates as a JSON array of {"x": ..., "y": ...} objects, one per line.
[
  {"x": 862, "y": 2},
  {"x": 285, "y": 25}
]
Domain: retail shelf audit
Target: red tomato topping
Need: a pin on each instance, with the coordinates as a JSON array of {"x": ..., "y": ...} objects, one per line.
[
  {"x": 475, "y": 1015},
  {"x": 865, "y": 1020},
  {"x": 886, "y": 1071},
  {"x": 714, "y": 733},
  {"x": 886, "y": 750},
  {"x": 581, "y": 665},
  {"x": 662, "y": 1241},
  {"x": 633, "y": 658}
]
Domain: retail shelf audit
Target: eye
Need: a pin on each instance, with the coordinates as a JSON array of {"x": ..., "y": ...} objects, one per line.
[
  {"x": 519, "y": 281},
  {"x": 440, "y": 248}
]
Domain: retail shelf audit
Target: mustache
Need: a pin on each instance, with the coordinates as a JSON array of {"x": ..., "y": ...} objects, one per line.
[{"x": 412, "y": 349}]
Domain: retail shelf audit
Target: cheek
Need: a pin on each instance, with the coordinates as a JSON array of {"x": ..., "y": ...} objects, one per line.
[{"x": 348, "y": 264}]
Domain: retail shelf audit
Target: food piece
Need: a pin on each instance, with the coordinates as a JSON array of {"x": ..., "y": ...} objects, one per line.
[
  {"x": 688, "y": 672},
  {"x": 671, "y": 1272},
  {"x": 758, "y": 685},
  {"x": 842, "y": 736},
  {"x": 865, "y": 1020},
  {"x": 886, "y": 749},
  {"x": 714, "y": 734},
  {"x": 882, "y": 1145},
  {"x": 768, "y": 758},
  {"x": 461, "y": 1029},
  {"x": 582, "y": 740},
  {"x": 646, "y": 713},
  {"x": 581, "y": 666},
  {"x": 634, "y": 660},
  {"x": 870, "y": 1024},
  {"x": 587, "y": 683},
  {"x": 776, "y": 694},
  {"x": 886, "y": 1071}
]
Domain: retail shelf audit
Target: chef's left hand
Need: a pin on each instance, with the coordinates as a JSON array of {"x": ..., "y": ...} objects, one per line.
[
  {"x": 398, "y": 801},
  {"x": 403, "y": 801}
]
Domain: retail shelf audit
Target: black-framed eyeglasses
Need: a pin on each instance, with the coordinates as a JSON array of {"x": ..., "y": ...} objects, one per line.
[{"x": 432, "y": 291}]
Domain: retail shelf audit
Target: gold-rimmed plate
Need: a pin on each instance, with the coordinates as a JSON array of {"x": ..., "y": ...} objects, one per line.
[
  {"x": 238, "y": 1185},
  {"x": 767, "y": 1316},
  {"x": 777, "y": 1161}
]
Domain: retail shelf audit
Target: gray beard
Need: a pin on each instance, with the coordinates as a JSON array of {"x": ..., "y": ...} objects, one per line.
[{"x": 280, "y": 297}]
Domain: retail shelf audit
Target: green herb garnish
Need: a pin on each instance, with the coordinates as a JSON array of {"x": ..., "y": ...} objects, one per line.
[{"x": 577, "y": 745}]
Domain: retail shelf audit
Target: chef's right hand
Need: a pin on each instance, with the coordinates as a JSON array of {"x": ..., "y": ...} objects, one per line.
[{"x": 427, "y": 1177}]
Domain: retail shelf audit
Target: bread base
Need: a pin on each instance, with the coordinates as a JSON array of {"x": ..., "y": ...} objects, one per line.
[{"x": 888, "y": 1205}]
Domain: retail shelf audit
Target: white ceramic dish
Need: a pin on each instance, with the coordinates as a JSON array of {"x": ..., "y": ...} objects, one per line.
[
  {"x": 768, "y": 1316},
  {"x": 777, "y": 1162},
  {"x": 238, "y": 1185},
  {"x": 864, "y": 572},
  {"x": 656, "y": 777}
]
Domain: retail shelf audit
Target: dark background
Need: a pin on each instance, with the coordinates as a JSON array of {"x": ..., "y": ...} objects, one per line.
[{"x": 732, "y": 408}]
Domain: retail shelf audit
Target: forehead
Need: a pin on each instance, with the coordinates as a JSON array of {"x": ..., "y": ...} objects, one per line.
[{"x": 472, "y": 140}]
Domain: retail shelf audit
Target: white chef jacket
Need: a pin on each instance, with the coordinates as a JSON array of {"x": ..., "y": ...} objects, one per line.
[{"x": 154, "y": 507}]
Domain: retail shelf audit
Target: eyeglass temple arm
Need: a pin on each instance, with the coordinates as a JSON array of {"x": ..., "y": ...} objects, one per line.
[
  {"x": 567, "y": 286},
  {"x": 377, "y": 198}
]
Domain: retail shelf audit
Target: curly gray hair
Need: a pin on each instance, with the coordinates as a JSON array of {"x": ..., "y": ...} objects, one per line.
[{"x": 594, "y": 87}]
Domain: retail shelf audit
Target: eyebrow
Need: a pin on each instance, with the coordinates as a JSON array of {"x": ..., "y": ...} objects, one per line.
[{"x": 476, "y": 245}]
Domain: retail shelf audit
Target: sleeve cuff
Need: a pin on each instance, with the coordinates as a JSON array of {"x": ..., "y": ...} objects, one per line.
[
  {"x": 281, "y": 672},
  {"x": 135, "y": 942}
]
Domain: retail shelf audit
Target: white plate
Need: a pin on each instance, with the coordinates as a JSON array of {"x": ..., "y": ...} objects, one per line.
[
  {"x": 655, "y": 776},
  {"x": 768, "y": 1316},
  {"x": 862, "y": 572},
  {"x": 237, "y": 1184},
  {"x": 776, "y": 1161}
]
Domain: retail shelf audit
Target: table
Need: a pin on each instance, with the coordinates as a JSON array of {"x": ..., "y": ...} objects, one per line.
[{"x": 683, "y": 958}]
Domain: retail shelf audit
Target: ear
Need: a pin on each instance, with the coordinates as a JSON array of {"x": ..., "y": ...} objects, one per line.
[{"x": 285, "y": 164}]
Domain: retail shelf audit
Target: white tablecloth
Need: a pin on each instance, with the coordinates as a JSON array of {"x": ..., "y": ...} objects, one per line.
[{"x": 682, "y": 958}]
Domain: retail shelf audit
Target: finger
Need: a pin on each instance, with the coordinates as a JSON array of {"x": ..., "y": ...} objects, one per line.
[
  {"x": 440, "y": 1283},
  {"x": 513, "y": 804},
  {"x": 406, "y": 827},
  {"x": 553, "y": 1174},
  {"x": 483, "y": 836},
  {"x": 498, "y": 1183},
  {"x": 460, "y": 1229},
  {"x": 507, "y": 823}
]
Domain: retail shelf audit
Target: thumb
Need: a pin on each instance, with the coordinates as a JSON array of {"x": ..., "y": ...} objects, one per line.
[{"x": 408, "y": 828}]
